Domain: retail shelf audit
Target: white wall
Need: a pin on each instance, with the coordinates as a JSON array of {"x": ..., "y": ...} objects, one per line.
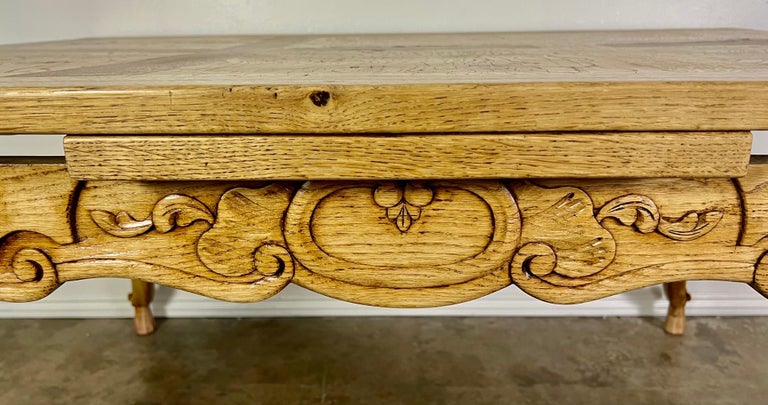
[{"x": 43, "y": 20}]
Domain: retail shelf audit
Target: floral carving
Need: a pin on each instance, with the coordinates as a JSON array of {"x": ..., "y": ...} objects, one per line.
[
  {"x": 246, "y": 243},
  {"x": 641, "y": 212},
  {"x": 559, "y": 223},
  {"x": 171, "y": 211},
  {"x": 403, "y": 203},
  {"x": 337, "y": 234},
  {"x": 242, "y": 240},
  {"x": 237, "y": 254},
  {"x": 246, "y": 236},
  {"x": 553, "y": 238}
]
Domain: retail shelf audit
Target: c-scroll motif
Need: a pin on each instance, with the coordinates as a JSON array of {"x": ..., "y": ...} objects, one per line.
[
  {"x": 170, "y": 211},
  {"x": 560, "y": 234},
  {"x": 32, "y": 274},
  {"x": 577, "y": 240},
  {"x": 234, "y": 252},
  {"x": 246, "y": 236},
  {"x": 642, "y": 212},
  {"x": 696, "y": 244}
]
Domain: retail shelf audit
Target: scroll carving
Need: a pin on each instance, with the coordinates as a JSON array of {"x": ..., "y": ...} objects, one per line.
[
  {"x": 339, "y": 237},
  {"x": 170, "y": 211},
  {"x": 32, "y": 273},
  {"x": 760, "y": 282},
  {"x": 392, "y": 243},
  {"x": 182, "y": 243},
  {"x": 618, "y": 259},
  {"x": 246, "y": 236},
  {"x": 241, "y": 247},
  {"x": 563, "y": 220},
  {"x": 642, "y": 212}
]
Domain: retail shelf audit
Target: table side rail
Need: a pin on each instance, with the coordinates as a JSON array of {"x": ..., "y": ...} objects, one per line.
[{"x": 409, "y": 156}]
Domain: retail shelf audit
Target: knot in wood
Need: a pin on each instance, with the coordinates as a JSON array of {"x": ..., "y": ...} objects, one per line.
[{"x": 320, "y": 98}]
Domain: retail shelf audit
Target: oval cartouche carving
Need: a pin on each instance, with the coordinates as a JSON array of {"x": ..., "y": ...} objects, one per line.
[
  {"x": 353, "y": 232},
  {"x": 363, "y": 225}
]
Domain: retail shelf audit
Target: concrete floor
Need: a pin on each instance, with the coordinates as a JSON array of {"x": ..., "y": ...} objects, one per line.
[{"x": 384, "y": 361}]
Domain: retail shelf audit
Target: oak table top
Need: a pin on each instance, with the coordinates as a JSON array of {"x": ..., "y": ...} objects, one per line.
[{"x": 673, "y": 80}]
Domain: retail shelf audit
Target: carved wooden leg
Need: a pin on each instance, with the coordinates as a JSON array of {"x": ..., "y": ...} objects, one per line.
[
  {"x": 678, "y": 296},
  {"x": 141, "y": 297}
]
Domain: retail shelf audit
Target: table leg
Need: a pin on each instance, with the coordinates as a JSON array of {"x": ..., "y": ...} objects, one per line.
[
  {"x": 678, "y": 296},
  {"x": 141, "y": 297}
]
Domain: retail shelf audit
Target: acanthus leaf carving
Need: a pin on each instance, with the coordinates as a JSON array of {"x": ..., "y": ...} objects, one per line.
[
  {"x": 240, "y": 248},
  {"x": 641, "y": 212},
  {"x": 691, "y": 225},
  {"x": 556, "y": 223},
  {"x": 637, "y": 210},
  {"x": 179, "y": 210},
  {"x": 554, "y": 242},
  {"x": 170, "y": 211},
  {"x": 560, "y": 234},
  {"x": 121, "y": 224},
  {"x": 246, "y": 236}
]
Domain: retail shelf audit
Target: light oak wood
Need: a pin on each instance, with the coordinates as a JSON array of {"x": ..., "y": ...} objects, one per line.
[
  {"x": 403, "y": 244},
  {"x": 140, "y": 297},
  {"x": 35, "y": 195},
  {"x": 651, "y": 106},
  {"x": 445, "y": 156},
  {"x": 677, "y": 229},
  {"x": 436, "y": 238},
  {"x": 755, "y": 199},
  {"x": 678, "y": 297},
  {"x": 597, "y": 81},
  {"x": 499, "y": 57},
  {"x": 187, "y": 235}
]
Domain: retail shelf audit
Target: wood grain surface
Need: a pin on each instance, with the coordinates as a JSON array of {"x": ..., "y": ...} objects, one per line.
[
  {"x": 445, "y": 156},
  {"x": 371, "y": 59},
  {"x": 630, "y": 80},
  {"x": 388, "y": 243},
  {"x": 754, "y": 196},
  {"x": 35, "y": 195}
]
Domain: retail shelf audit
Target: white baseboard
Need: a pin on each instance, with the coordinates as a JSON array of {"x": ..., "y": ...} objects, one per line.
[{"x": 108, "y": 299}]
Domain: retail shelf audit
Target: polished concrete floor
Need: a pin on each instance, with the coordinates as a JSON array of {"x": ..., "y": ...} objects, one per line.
[{"x": 385, "y": 361}]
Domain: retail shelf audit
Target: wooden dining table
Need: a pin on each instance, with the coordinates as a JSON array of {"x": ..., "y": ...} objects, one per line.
[{"x": 398, "y": 170}]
